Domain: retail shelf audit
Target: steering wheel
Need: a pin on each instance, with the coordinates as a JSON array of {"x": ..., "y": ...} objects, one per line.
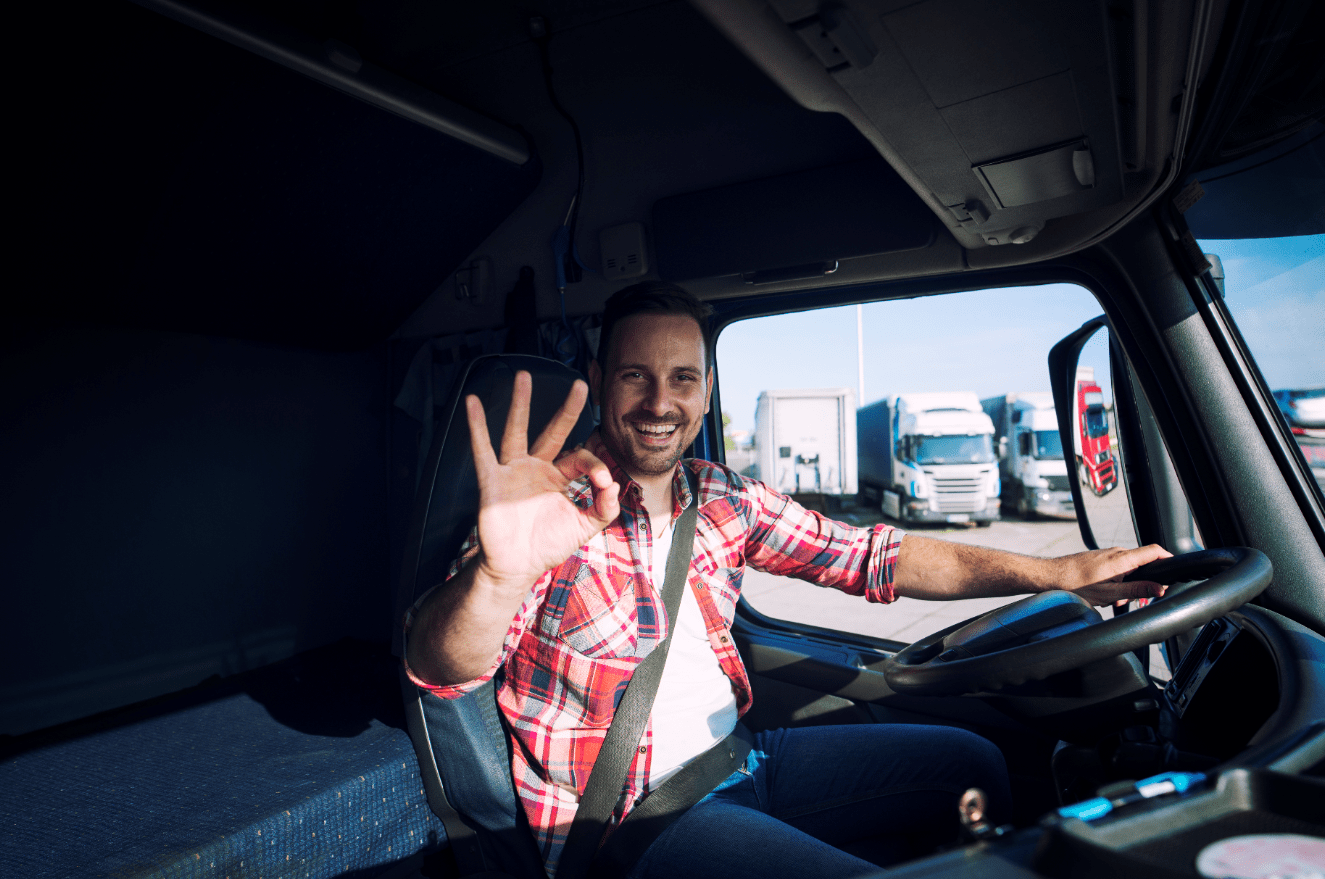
[{"x": 1055, "y": 631}]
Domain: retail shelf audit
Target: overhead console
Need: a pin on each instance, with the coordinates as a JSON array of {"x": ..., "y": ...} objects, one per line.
[
  {"x": 789, "y": 227},
  {"x": 1016, "y": 121}
]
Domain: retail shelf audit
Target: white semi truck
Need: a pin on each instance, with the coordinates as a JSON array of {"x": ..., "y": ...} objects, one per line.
[
  {"x": 1030, "y": 454},
  {"x": 929, "y": 457},
  {"x": 805, "y": 443}
]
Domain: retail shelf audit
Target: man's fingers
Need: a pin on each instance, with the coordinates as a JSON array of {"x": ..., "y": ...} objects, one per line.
[
  {"x": 515, "y": 438},
  {"x": 582, "y": 462},
  {"x": 552, "y": 438},
  {"x": 606, "y": 505},
  {"x": 1143, "y": 589},
  {"x": 480, "y": 443},
  {"x": 606, "y": 491}
]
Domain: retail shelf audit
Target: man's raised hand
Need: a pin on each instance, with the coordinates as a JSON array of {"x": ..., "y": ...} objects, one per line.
[{"x": 526, "y": 523}]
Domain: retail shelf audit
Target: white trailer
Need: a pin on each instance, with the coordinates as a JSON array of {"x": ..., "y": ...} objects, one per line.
[
  {"x": 805, "y": 441},
  {"x": 1030, "y": 450}
]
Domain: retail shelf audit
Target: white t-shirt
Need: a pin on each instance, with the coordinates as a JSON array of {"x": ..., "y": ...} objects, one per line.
[{"x": 695, "y": 707}]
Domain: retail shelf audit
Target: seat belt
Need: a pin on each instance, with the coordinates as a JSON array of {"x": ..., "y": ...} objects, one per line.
[{"x": 607, "y": 780}]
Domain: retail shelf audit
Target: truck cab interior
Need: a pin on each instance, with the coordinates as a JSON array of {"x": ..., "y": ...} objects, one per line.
[{"x": 266, "y": 242}]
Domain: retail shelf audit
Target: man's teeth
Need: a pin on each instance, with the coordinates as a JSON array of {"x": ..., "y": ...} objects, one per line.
[{"x": 656, "y": 429}]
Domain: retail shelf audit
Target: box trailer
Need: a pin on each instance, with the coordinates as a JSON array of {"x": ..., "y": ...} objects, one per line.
[{"x": 805, "y": 442}]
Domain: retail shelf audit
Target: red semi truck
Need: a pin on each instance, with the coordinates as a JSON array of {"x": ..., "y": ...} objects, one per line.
[{"x": 1095, "y": 459}]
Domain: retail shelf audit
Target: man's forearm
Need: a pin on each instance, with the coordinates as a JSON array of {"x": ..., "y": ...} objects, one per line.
[
  {"x": 938, "y": 570},
  {"x": 459, "y": 629}
]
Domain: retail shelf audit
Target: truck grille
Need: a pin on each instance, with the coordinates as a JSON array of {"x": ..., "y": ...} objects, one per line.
[
  {"x": 1057, "y": 483},
  {"x": 959, "y": 495}
]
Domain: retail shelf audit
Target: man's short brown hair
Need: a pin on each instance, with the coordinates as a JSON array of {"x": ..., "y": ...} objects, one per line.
[{"x": 654, "y": 297}]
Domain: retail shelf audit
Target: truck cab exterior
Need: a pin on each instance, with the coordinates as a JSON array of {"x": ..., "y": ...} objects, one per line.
[
  {"x": 1093, "y": 451},
  {"x": 1032, "y": 468},
  {"x": 930, "y": 456}
]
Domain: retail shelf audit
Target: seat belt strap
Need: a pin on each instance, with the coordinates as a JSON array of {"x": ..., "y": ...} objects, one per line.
[
  {"x": 662, "y": 806},
  {"x": 606, "y": 781}
]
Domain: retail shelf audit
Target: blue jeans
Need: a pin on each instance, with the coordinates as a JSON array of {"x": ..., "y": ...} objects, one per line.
[{"x": 832, "y": 801}]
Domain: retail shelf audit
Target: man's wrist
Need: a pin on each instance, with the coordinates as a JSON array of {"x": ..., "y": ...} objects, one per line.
[
  {"x": 1043, "y": 575},
  {"x": 497, "y": 582}
]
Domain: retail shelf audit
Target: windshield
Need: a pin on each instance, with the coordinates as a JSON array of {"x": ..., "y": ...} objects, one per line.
[
  {"x": 1097, "y": 423},
  {"x": 1048, "y": 445},
  {"x": 969, "y": 449}
]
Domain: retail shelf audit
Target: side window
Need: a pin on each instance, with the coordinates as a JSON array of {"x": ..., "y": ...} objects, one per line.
[
  {"x": 1275, "y": 290},
  {"x": 939, "y": 422}
]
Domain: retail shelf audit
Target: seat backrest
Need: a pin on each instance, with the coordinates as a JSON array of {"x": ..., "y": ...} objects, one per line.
[{"x": 463, "y": 750}]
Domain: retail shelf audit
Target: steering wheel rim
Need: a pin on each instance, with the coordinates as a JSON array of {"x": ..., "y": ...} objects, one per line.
[{"x": 1232, "y": 577}]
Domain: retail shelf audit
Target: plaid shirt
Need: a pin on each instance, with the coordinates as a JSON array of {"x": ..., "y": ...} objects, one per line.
[{"x": 578, "y": 636}]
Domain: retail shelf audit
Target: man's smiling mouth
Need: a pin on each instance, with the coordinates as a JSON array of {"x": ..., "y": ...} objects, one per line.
[{"x": 655, "y": 431}]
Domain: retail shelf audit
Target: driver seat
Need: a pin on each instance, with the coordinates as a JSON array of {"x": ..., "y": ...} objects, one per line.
[{"x": 461, "y": 744}]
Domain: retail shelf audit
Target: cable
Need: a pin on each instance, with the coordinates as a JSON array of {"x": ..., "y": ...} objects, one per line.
[{"x": 569, "y": 262}]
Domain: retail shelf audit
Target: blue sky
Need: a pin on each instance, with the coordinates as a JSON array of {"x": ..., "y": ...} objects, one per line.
[{"x": 995, "y": 342}]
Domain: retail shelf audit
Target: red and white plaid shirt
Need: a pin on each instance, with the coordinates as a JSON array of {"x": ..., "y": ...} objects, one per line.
[{"x": 578, "y": 636}]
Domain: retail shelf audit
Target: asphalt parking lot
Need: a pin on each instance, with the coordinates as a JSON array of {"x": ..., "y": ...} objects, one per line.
[{"x": 909, "y": 619}]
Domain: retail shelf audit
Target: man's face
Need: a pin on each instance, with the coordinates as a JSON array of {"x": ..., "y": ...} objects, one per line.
[{"x": 653, "y": 391}]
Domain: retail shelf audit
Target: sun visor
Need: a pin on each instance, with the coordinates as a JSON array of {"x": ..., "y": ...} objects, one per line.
[
  {"x": 1277, "y": 192},
  {"x": 792, "y": 225}
]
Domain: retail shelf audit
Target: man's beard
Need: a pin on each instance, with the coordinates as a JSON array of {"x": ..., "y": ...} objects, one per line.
[{"x": 642, "y": 461}]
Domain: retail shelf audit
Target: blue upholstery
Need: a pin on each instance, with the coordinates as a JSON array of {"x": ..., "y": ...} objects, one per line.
[{"x": 300, "y": 770}]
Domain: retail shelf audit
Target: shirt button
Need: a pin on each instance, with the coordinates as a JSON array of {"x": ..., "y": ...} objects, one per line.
[
  {"x": 723, "y": 639},
  {"x": 643, "y": 748}
]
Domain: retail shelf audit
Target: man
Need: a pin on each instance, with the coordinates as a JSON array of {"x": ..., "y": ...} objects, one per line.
[{"x": 557, "y": 594}]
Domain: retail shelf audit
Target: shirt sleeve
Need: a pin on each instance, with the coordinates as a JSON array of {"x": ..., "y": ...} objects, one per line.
[
  {"x": 791, "y": 541},
  {"x": 513, "y": 635}
]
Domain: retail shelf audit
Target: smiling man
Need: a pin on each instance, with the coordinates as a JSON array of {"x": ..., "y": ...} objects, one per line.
[{"x": 557, "y": 596}]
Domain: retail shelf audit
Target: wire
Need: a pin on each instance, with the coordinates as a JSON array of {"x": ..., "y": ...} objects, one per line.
[{"x": 571, "y": 263}]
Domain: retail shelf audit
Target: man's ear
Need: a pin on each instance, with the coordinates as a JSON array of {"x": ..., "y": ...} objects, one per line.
[
  {"x": 595, "y": 382},
  {"x": 708, "y": 394}
]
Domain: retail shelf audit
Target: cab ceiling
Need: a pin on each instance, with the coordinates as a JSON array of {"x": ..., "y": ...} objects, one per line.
[
  {"x": 1025, "y": 128},
  {"x": 965, "y": 121}
]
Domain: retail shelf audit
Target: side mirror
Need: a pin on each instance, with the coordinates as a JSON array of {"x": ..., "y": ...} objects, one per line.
[
  {"x": 1024, "y": 443},
  {"x": 1002, "y": 447},
  {"x": 1080, "y": 375}
]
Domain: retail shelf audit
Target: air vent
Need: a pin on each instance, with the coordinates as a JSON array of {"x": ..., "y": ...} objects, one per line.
[{"x": 624, "y": 254}]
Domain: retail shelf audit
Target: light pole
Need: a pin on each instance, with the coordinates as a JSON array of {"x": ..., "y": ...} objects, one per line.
[{"x": 860, "y": 354}]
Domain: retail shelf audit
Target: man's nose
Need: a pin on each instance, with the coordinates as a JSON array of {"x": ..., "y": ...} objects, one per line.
[{"x": 657, "y": 401}]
